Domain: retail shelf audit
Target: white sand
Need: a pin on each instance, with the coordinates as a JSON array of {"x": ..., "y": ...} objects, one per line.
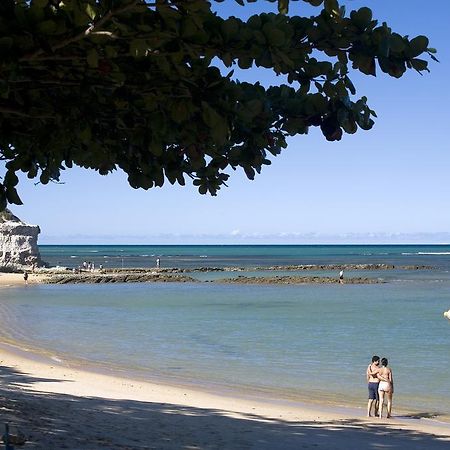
[
  {"x": 16, "y": 279},
  {"x": 58, "y": 406}
]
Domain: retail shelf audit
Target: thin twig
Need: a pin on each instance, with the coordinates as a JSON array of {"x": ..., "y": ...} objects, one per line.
[
  {"x": 16, "y": 112},
  {"x": 84, "y": 33}
]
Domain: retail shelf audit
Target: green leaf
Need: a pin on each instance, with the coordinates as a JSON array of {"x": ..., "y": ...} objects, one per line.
[
  {"x": 332, "y": 7},
  {"x": 276, "y": 37},
  {"x": 320, "y": 103},
  {"x": 47, "y": 27},
  {"x": 350, "y": 85},
  {"x": 255, "y": 22},
  {"x": 366, "y": 64},
  {"x": 250, "y": 172},
  {"x": 179, "y": 112},
  {"x": 6, "y": 43},
  {"x": 139, "y": 47},
  {"x": 385, "y": 47},
  {"x": 315, "y": 2},
  {"x": 210, "y": 115},
  {"x": 90, "y": 11},
  {"x": 283, "y": 6},
  {"x": 86, "y": 135},
  {"x": 11, "y": 179},
  {"x": 230, "y": 28},
  {"x": 3, "y": 201},
  {"x": 418, "y": 45},
  {"x": 419, "y": 64},
  {"x": 245, "y": 62},
  {"x": 40, "y": 3},
  {"x": 362, "y": 17},
  {"x": 255, "y": 106},
  {"x": 12, "y": 196},
  {"x": 92, "y": 58},
  {"x": 397, "y": 44},
  {"x": 219, "y": 132}
]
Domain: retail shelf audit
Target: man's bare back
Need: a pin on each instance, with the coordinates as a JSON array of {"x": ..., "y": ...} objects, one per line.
[{"x": 372, "y": 372}]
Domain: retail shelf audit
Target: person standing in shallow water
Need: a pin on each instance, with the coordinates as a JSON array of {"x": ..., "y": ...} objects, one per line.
[
  {"x": 385, "y": 387},
  {"x": 372, "y": 380}
]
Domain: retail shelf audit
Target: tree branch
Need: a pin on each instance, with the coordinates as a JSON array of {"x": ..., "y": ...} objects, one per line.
[
  {"x": 16, "y": 112},
  {"x": 93, "y": 28}
]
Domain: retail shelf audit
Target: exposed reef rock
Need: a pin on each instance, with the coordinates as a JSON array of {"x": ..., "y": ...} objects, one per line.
[
  {"x": 117, "y": 278},
  {"x": 343, "y": 267},
  {"x": 133, "y": 276},
  {"x": 294, "y": 268},
  {"x": 298, "y": 280},
  {"x": 18, "y": 243},
  {"x": 164, "y": 275}
]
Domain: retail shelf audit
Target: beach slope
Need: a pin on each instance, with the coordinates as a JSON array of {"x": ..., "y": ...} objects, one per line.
[{"x": 58, "y": 406}]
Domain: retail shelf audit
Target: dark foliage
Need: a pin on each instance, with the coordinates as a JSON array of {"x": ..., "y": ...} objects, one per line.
[{"x": 133, "y": 84}]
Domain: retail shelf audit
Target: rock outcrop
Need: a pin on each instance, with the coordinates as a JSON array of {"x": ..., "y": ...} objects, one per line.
[
  {"x": 18, "y": 243},
  {"x": 293, "y": 268},
  {"x": 117, "y": 278},
  {"x": 297, "y": 280}
]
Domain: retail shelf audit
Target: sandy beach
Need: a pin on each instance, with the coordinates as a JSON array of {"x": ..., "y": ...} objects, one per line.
[
  {"x": 60, "y": 406},
  {"x": 16, "y": 279}
]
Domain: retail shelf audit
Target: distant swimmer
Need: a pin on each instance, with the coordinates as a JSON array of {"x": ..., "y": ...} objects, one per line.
[
  {"x": 341, "y": 277},
  {"x": 447, "y": 314}
]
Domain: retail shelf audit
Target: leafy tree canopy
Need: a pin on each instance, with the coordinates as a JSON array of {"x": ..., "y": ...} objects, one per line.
[{"x": 136, "y": 85}]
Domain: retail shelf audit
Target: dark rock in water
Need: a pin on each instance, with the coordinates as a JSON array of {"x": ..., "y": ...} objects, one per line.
[
  {"x": 288, "y": 268},
  {"x": 146, "y": 277},
  {"x": 13, "y": 436},
  {"x": 116, "y": 278},
  {"x": 298, "y": 280},
  {"x": 338, "y": 267}
]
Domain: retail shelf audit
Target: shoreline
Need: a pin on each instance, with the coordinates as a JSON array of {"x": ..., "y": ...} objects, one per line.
[
  {"x": 146, "y": 276},
  {"x": 16, "y": 279},
  {"x": 155, "y": 276},
  {"x": 324, "y": 401},
  {"x": 79, "y": 401},
  {"x": 328, "y": 399},
  {"x": 59, "y": 275}
]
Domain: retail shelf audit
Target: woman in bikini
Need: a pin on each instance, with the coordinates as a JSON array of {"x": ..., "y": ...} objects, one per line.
[{"x": 385, "y": 387}]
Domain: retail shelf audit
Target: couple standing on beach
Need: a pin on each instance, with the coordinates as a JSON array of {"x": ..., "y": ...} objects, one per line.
[{"x": 381, "y": 385}]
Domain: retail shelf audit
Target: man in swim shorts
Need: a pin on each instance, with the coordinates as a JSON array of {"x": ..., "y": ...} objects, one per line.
[{"x": 372, "y": 380}]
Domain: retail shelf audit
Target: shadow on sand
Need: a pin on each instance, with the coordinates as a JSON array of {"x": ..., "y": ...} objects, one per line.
[{"x": 57, "y": 421}]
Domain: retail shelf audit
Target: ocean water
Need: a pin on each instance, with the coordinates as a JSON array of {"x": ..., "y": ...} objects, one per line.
[
  {"x": 186, "y": 256},
  {"x": 294, "y": 342}
]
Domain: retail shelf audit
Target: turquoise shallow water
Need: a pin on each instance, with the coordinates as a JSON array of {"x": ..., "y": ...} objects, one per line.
[{"x": 288, "y": 341}]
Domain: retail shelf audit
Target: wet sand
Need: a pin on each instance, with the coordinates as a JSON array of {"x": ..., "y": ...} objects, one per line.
[
  {"x": 16, "y": 279},
  {"x": 58, "y": 405}
]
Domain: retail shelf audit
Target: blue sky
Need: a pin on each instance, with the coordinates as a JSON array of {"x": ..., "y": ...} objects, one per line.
[{"x": 389, "y": 184}]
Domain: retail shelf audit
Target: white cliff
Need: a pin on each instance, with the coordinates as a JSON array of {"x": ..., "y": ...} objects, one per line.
[{"x": 18, "y": 243}]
